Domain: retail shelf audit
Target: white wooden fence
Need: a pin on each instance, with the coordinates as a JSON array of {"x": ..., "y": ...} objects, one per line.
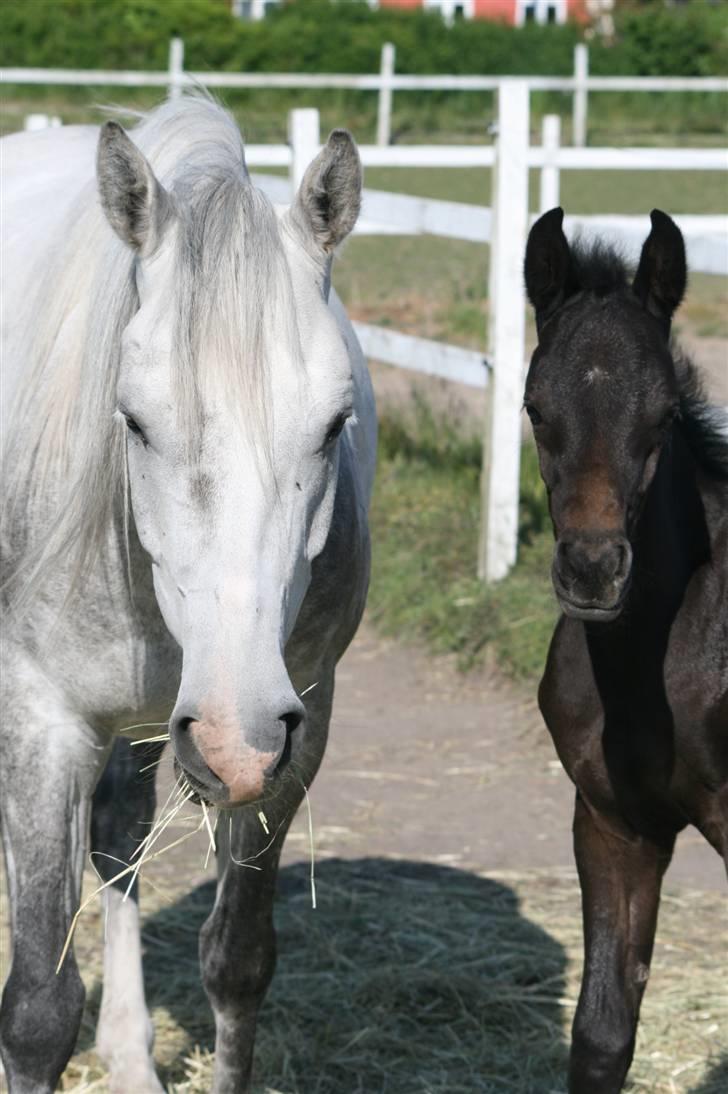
[
  {"x": 504, "y": 226},
  {"x": 385, "y": 83}
]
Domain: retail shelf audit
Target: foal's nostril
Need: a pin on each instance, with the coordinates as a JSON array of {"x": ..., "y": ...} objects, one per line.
[
  {"x": 564, "y": 559},
  {"x": 623, "y": 560}
]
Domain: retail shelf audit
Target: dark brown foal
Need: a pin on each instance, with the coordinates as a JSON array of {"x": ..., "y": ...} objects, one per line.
[{"x": 635, "y": 691}]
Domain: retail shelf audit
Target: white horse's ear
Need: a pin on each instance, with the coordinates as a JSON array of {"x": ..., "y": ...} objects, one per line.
[
  {"x": 328, "y": 201},
  {"x": 135, "y": 204}
]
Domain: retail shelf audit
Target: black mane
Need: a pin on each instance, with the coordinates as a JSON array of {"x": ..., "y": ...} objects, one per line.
[
  {"x": 598, "y": 267},
  {"x": 704, "y": 426}
]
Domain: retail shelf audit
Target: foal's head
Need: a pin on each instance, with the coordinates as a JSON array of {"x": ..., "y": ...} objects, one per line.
[
  {"x": 601, "y": 394},
  {"x": 234, "y": 387}
]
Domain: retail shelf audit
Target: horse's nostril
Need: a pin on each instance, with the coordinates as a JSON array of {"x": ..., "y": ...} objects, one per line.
[
  {"x": 183, "y": 724},
  {"x": 291, "y": 720}
]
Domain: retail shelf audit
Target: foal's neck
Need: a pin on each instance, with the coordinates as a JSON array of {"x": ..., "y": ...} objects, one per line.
[
  {"x": 671, "y": 538},
  {"x": 671, "y": 541}
]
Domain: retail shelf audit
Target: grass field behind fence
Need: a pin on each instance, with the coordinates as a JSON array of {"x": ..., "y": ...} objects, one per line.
[
  {"x": 615, "y": 118},
  {"x": 425, "y": 520}
]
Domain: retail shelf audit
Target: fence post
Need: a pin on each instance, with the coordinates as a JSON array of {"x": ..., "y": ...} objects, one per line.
[
  {"x": 304, "y": 139},
  {"x": 580, "y": 104},
  {"x": 550, "y": 140},
  {"x": 384, "y": 104},
  {"x": 176, "y": 67},
  {"x": 502, "y": 442}
]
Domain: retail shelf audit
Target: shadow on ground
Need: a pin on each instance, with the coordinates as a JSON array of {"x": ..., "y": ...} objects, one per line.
[
  {"x": 408, "y": 977},
  {"x": 716, "y": 1081}
]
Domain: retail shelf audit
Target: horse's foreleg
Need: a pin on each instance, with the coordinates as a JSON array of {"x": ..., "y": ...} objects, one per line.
[
  {"x": 620, "y": 885},
  {"x": 123, "y": 808},
  {"x": 50, "y": 765},
  {"x": 238, "y": 942}
]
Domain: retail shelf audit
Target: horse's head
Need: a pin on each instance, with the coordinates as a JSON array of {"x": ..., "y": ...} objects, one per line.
[
  {"x": 601, "y": 394},
  {"x": 234, "y": 385}
]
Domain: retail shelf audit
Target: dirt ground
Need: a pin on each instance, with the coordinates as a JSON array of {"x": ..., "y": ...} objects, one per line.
[{"x": 425, "y": 763}]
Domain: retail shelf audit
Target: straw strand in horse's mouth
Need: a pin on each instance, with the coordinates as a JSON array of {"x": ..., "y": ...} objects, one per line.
[{"x": 198, "y": 788}]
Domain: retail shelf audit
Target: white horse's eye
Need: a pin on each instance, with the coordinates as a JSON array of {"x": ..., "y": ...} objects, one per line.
[
  {"x": 133, "y": 426},
  {"x": 335, "y": 429}
]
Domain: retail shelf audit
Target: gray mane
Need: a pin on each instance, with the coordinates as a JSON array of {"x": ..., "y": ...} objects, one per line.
[{"x": 66, "y": 452}]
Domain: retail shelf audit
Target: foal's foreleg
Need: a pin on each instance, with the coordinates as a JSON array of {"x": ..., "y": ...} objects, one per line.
[
  {"x": 50, "y": 763},
  {"x": 123, "y": 809},
  {"x": 620, "y": 885}
]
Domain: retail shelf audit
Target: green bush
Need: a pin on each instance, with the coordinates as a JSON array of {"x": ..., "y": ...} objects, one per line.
[
  {"x": 655, "y": 40},
  {"x": 326, "y": 36}
]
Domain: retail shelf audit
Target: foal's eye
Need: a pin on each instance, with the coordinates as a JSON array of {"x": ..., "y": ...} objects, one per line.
[
  {"x": 335, "y": 429},
  {"x": 669, "y": 418},
  {"x": 533, "y": 414}
]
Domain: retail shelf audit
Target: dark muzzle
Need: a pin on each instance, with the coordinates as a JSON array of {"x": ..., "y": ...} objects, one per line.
[{"x": 591, "y": 574}]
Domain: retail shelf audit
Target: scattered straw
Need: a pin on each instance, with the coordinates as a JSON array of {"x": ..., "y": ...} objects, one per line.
[
  {"x": 249, "y": 863},
  {"x": 142, "y": 725},
  {"x": 212, "y": 848},
  {"x": 421, "y": 979},
  {"x": 117, "y": 877},
  {"x": 310, "y": 841}
]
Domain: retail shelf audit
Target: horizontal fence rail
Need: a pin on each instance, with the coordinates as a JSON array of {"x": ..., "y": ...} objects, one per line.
[
  {"x": 464, "y": 366},
  {"x": 706, "y": 237},
  {"x": 566, "y": 159},
  {"x": 345, "y": 81}
]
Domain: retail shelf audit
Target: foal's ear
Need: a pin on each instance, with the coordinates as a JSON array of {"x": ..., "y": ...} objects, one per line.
[
  {"x": 662, "y": 274},
  {"x": 135, "y": 204},
  {"x": 548, "y": 266},
  {"x": 329, "y": 197}
]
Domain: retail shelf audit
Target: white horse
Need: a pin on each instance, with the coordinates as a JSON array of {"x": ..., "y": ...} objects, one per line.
[{"x": 189, "y": 453}]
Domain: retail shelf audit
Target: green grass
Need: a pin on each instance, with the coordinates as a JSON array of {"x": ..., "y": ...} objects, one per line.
[
  {"x": 425, "y": 520},
  {"x": 434, "y": 288}
]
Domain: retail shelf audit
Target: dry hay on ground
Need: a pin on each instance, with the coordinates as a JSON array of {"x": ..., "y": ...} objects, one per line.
[{"x": 415, "y": 978}]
